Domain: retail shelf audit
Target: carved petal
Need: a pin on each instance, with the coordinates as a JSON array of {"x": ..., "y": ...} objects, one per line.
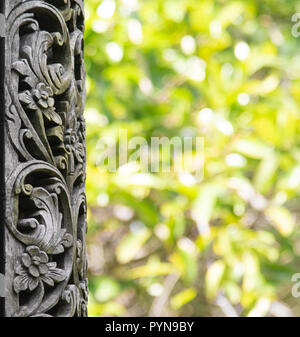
[
  {"x": 43, "y": 104},
  {"x": 67, "y": 240},
  {"x": 33, "y": 106},
  {"x": 48, "y": 280},
  {"x": 25, "y": 97},
  {"x": 33, "y": 250},
  {"x": 43, "y": 257},
  {"x": 21, "y": 67},
  {"x": 33, "y": 283},
  {"x": 43, "y": 269},
  {"x": 41, "y": 86},
  {"x": 49, "y": 91},
  {"x": 56, "y": 274},
  {"x": 20, "y": 270},
  {"x": 20, "y": 283},
  {"x": 26, "y": 260},
  {"x": 33, "y": 270},
  {"x": 58, "y": 249},
  {"x": 36, "y": 93},
  {"x": 51, "y": 102},
  {"x": 52, "y": 116}
]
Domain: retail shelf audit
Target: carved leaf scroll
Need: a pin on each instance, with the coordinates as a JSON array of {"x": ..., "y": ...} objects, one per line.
[{"x": 45, "y": 193}]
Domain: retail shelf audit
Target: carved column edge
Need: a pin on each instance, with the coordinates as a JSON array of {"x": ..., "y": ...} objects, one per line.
[
  {"x": 45, "y": 159},
  {"x": 2, "y": 165}
]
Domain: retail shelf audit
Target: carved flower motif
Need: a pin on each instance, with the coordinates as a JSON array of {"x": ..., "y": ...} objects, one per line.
[
  {"x": 41, "y": 98},
  {"x": 35, "y": 268},
  {"x": 71, "y": 140}
]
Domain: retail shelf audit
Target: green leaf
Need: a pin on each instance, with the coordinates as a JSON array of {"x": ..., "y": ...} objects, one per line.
[{"x": 183, "y": 297}]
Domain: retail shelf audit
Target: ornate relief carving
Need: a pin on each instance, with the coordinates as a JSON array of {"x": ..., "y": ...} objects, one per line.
[{"x": 45, "y": 192}]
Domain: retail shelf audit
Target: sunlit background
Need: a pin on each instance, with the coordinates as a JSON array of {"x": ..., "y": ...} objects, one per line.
[{"x": 164, "y": 244}]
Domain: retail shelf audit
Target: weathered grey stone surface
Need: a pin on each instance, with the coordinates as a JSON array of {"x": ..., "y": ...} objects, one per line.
[
  {"x": 2, "y": 182},
  {"x": 45, "y": 158}
]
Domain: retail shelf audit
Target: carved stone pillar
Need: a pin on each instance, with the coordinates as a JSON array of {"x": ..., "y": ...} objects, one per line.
[{"x": 45, "y": 203}]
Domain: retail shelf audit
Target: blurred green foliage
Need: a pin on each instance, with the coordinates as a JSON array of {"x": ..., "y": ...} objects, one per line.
[{"x": 225, "y": 70}]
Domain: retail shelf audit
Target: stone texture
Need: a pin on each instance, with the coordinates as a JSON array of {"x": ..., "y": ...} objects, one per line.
[
  {"x": 45, "y": 158},
  {"x": 2, "y": 182}
]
